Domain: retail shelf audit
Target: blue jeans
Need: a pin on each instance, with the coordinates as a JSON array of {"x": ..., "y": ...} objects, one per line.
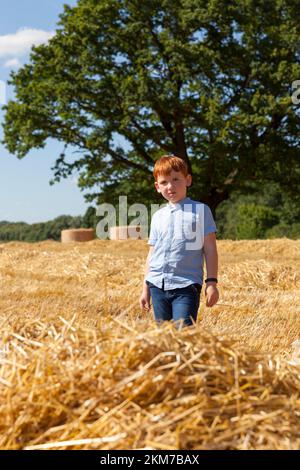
[{"x": 176, "y": 304}]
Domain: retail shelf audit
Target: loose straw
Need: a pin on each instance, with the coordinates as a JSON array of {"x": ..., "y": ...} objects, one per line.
[{"x": 77, "y": 442}]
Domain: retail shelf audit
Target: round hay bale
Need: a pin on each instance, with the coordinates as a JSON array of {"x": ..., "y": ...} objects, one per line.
[
  {"x": 77, "y": 235},
  {"x": 124, "y": 232}
]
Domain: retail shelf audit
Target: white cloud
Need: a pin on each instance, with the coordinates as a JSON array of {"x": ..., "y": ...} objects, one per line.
[
  {"x": 12, "y": 64},
  {"x": 19, "y": 43}
]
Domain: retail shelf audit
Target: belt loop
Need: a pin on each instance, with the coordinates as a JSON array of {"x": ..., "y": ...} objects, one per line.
[{"x": 163, "y": 284}]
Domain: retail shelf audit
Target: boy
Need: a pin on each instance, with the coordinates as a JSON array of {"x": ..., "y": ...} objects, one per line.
[{"x": 181, "y": 233}]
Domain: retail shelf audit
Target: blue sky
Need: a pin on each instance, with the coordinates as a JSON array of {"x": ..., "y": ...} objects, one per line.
[{"x": 25, "y": 193}]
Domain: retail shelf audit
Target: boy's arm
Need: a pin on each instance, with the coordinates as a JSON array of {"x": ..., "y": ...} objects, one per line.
[
  {"x": 211, "y": 261},
  {"x": 145, "y": 286},
  {"x": 211, "y": 255},
  {"x": 145, "y": 297}
]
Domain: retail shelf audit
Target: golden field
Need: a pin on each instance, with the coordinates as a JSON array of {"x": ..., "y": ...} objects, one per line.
[{"x": 83, "y": 368}]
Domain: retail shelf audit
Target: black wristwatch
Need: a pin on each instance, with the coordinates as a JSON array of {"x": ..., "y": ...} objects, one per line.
[{"x": 211, "y": 279}]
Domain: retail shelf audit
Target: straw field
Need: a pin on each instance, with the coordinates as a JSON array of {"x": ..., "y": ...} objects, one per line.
[{"x": 83, "y": 368}]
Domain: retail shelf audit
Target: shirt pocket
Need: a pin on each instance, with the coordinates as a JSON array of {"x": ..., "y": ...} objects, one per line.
[
  {"x": 189, "y": 233},
  {"x": 186, "y": 228}
]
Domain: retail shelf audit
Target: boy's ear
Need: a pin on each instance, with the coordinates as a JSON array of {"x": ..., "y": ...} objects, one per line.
[
  {"x": 156, "y": 187},
  {"x": 189, "y": 180}
]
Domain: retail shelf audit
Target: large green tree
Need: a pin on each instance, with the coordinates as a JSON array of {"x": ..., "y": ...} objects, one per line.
[{"x": 125, "y": 81}]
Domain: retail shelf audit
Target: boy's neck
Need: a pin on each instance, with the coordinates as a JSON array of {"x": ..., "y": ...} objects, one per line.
[{"x": 182, "y": 201}]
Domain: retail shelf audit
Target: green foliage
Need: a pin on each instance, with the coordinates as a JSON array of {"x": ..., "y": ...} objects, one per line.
[
  {"x": 125, "y": 82},
  {"x": 266, "y": 213},
  {"x": 90, "y": 219},
  {"x": 253, "y": 220},
  {"x": 50, "y": 230},
  {"x": 283, "y": 230}
]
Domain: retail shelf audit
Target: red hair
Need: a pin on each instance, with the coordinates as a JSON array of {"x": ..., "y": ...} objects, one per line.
[{"x": 167, "y": 163}]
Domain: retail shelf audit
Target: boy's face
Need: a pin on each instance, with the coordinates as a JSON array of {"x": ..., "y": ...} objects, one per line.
[{"x": 173, "y": 186}]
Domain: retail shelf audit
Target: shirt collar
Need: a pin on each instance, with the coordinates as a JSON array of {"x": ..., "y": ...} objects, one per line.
[{"x": 177, "y": 205}]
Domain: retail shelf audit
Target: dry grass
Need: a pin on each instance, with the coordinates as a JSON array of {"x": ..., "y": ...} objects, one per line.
[{"x": 82, "y": 368}]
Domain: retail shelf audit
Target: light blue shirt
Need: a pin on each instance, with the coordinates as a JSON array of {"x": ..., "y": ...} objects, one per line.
[{"x": 177, "y": 234}]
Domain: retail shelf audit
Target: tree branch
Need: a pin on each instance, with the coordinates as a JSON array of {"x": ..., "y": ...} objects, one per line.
[{"x": 126, "y": 162}]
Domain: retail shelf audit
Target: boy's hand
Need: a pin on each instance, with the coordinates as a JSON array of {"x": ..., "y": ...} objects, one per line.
[
  {"x": 211, "y": 294},
  {"x": 145, "y": 300}
]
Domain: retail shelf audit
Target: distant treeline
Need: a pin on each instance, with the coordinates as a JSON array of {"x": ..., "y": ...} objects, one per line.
[
  {"x": 50, "y": 230},
  {"x": 267, "y": 214}
]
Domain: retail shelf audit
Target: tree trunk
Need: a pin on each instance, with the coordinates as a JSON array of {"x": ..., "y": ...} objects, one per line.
[{"x": 214, "y": 197}]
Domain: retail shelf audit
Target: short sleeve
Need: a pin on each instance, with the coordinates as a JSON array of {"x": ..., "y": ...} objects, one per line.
[
  {"x": 153, "y": 232},
  {"x": 209, "y": 223}
]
